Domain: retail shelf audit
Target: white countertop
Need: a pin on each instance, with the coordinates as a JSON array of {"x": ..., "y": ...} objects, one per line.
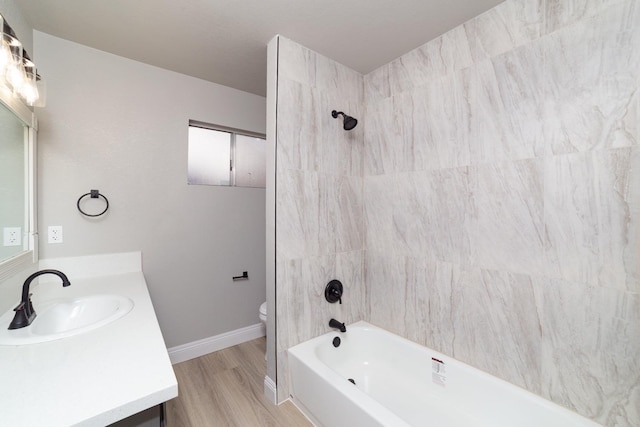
[{"x": 95, "y": 378}]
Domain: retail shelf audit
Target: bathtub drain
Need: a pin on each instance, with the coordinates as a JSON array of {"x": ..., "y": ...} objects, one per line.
[{"x": 352, "y": 381}]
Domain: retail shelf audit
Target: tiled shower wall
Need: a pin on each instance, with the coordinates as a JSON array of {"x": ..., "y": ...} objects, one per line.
[
  {"x": 502, "y": 199},
  {"x": 498, "y": 169},
  {"x": 319, "y": 214}
]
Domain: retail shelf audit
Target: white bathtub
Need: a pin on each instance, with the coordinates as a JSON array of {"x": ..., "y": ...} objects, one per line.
[{"x": 400, "y": 383}]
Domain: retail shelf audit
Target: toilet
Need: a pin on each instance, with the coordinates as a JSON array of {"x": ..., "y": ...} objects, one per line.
[{"x": 263, "y": 313}]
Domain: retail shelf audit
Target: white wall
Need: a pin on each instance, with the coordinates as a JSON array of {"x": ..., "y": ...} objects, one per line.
[{"x": 120, "y": 126}]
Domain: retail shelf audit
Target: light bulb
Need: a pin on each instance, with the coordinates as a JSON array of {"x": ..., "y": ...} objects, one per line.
[
  {"x": 15, "y": 76},
  {"x": 5, "y": 56},
  {"x": 15, "y": 69},
  {"x": 29, "y": 92},
  {"x": 29, "y": 88}
]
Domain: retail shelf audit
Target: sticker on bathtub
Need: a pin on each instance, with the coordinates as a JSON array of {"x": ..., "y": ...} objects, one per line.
[{"x": 438, "y": 372}]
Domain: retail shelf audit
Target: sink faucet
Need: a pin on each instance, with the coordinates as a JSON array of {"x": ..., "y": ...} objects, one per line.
[
  {"x": 24, "y": 311},
  {"x": 335, "y": 324}
]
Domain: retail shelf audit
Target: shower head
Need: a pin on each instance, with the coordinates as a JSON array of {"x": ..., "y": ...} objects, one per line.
[{"x": 349, "y": 122}]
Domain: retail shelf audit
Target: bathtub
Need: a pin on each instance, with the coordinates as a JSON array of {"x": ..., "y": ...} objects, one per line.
[{"x": 376, "y": 378}]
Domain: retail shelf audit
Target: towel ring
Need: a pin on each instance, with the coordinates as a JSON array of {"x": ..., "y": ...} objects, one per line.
[{"x": 94, "y": 195}]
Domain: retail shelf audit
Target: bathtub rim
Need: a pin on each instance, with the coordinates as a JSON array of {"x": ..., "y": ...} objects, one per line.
[{"x": 305, "y": 351}]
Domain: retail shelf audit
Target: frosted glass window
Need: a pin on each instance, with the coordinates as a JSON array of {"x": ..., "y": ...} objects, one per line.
[
  {"x": 224, "y": 156},
  {"x": 250, "y": 164},
  {"x": 209, "y": 157}
]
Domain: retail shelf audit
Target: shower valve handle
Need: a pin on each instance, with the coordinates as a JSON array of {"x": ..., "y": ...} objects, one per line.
[
  {"x": 333, "y": 291},
  {"x": 337, "y": 294}
]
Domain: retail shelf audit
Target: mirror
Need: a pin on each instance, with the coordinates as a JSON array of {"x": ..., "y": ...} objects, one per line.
[{"x": 17, "y": 210}]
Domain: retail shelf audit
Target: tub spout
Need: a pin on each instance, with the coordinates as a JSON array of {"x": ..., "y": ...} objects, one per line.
[{"x": 335, "y": 324}]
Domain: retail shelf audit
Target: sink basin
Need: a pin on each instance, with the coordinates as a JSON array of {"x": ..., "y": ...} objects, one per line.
[{"x": 62, "y": 318}]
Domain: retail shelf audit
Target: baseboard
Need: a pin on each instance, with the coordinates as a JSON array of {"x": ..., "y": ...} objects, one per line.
[
  {"x": 184, "y": 352},
  {"x": 270, "y": 391},
  {"x": 304, "y": 411}
]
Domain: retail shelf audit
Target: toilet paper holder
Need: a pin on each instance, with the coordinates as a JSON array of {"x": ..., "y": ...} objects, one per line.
[{"x": 245, "y": 276}]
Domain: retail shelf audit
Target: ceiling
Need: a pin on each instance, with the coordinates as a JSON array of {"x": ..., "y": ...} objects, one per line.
[{"x": 225, "y": 41}]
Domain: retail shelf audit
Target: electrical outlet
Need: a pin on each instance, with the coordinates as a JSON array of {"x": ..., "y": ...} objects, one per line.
[
  {"x": 12, "y": 236},
  {"x": 55, "y": 234}
]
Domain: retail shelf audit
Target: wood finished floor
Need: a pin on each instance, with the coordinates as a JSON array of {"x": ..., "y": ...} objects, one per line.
[{"x": 225, "y": 388}]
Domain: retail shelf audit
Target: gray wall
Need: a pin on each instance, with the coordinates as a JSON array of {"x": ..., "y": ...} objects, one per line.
[
  {"x": 120, "y": 126},
  {"x": 501, "y": 192}
]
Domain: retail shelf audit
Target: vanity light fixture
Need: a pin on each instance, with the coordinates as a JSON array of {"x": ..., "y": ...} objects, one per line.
[{"x": 18, "y": 73}]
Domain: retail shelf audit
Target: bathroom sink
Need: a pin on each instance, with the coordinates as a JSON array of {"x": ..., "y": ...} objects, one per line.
[{"x": 61, "y": 318}]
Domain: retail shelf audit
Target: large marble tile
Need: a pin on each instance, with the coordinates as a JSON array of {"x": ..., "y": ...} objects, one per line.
[
  {"x": 296, "y": 62},
  {"x": 349, "y": 214},
  {"x": 386, "y": 288},
  {"x": 590, "y": 351},
  {"x": 340, "y": 152},
  {"x": 438, "y": 134},
  {"x": 591, "y": 87},
  {"x": 300, "y": 229},
  {"x": 379, "y": 199},
  {"x": 282, "y": 375},
  {"x": 440, "y": 57},
  {"x": 437, "y": 58},
  {"x": 318, "y": 214},
  {"x": 304, "y": 299},
  {"x": 384, "y": 136},
  {"x": 310, "y": 139},
  {"x": 507, "y": 106},
  {"x": 592, "y": 211},
  {"x": 430, "y": 286},
  {"x": 299, "y": 127},
  {"x": 308, "y": 312},
  {"x": 282, "y": 330},
  {"x": 403, "y": 152},
  {"x": 307, "y": 67},
  {"x": 337, "y": 80},
  {"x": 350, "y": 271},
  {"x": 434, "y": 214},
  {"x": 511, "y": 24},
  {"x": 497, "y": 325},
  {"x": 376, "y": 84},
  {"x": 283, "y": 302},
  {"x": 412, "y": 297},
  {"x": 510, "y": 217},
  {"x": 340, "y": 213},
  {"x": 562, "y": 13}
]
